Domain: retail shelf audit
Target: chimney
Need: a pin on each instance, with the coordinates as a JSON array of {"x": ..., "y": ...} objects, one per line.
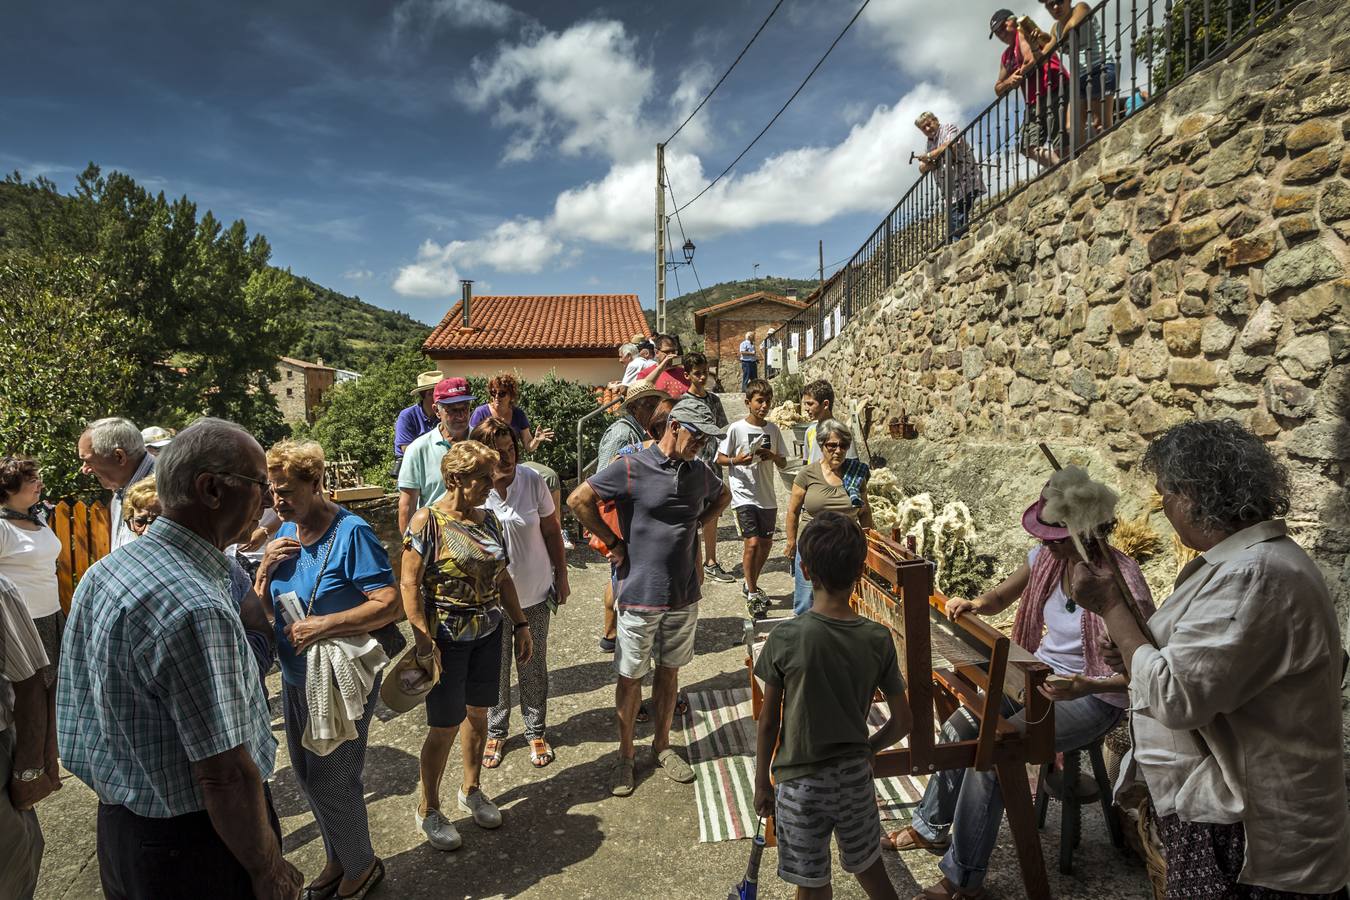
[{"x": 465, "y": 297}]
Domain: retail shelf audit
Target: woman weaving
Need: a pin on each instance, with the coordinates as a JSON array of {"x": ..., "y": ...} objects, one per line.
[{"x": 1089, "y": 701}]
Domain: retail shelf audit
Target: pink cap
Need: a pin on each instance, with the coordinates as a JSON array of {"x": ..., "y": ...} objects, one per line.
[
  {"x": 453, "y": 390},
  {"x": 1037, "y": 527}
]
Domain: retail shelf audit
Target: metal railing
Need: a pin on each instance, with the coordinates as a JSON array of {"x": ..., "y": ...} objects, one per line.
[
  {"x": 584, "y": 465},
  {"x": 1079, "y": 86}
]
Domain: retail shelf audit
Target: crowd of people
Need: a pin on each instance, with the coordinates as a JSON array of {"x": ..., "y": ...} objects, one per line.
[{"x": 230, "y": 559}]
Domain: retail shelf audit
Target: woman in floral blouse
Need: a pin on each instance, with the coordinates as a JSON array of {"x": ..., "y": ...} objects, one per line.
[{"x": 456, "y": 588}]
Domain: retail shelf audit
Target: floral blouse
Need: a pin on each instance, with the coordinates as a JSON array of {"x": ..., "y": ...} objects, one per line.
[{"x": 463, "y": 562}]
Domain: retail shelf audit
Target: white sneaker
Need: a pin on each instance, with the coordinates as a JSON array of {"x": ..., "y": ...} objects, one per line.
[
  {"x": 567, "y": 542},
  {"x": 440, "y": 833},
  {"x": 484, "y": 811}
]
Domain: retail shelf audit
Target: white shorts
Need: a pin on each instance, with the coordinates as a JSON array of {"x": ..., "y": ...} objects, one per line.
[{"x": 664, "y": 637}]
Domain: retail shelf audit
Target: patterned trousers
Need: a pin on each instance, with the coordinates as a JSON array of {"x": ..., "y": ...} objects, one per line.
[
  {"x": 333, "y": 784},
  {"x": 1203, "y": 863},
  {"x": 533, "y": 678}
]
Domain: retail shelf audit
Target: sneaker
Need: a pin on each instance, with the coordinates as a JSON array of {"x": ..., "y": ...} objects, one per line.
[
  {"x": 607, "y": 644},
  {"x": 676, "y": 769},
  {"x": 717, "y": 573},
  {"x": 758, "y": 604},
  {"x": 485, "y": 813},
  {"x": 567, "y": 542},
  {"x": 623, "y": 777},
  {"x": 440, "y": 833}
]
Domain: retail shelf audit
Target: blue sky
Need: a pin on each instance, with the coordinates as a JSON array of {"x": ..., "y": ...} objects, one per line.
[{"x": 388, "y": 149}]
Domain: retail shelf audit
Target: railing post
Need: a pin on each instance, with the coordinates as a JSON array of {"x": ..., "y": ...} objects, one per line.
[
  {"x": 947, "y": 187},
  {"x": 890, "y": 234},
  {"x": 1076, "y": 117}
]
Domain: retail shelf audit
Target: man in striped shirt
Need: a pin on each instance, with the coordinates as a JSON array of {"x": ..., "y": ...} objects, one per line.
[{"x": 960, "y": 183}]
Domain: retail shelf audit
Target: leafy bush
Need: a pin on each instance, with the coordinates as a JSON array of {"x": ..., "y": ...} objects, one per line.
[
  {"x": 558, "y": 404},
  {"x": 788, "y": 386}
]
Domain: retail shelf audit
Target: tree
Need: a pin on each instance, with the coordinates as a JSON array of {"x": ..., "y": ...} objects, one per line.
[{"x": 69, "y": 358}]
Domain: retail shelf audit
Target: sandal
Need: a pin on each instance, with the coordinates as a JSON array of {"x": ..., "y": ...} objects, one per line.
[
  {"x": 908, "y": 839},
  {"x": 375, "y": 877},
  {"x": 493, "y": 751},
  {"x": 945, "y": 890},
  {"x": 541, "y": 754},
  {"x": 321, "y": 890}
]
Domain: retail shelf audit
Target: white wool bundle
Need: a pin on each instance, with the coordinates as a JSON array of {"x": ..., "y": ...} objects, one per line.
[{"x": 1078, "y": 503}]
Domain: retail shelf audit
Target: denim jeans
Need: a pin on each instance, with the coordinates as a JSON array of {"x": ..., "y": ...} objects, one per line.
[
  {"x": 958, "y": 216},
  {"x": 970, "y": 803},
  {"x": 802, "y": 595}
]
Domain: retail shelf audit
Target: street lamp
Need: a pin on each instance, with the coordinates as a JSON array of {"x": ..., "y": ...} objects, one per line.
[{"x": 688, "y": 249}]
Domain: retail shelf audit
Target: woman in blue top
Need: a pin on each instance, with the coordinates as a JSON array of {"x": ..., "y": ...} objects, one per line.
[{"x": 328, "y": 564}]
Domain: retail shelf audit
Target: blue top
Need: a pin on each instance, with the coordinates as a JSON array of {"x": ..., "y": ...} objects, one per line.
[
  {"x": 410, "y": 425},
  {"x": 659, "y": 500},
  {"x": 156, "y": 674},
  {"x": 519, "y": 421},
  {"x": 357, "y": 565}
]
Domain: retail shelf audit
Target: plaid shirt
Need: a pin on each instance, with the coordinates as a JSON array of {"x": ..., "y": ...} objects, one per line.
[{"x": 156, "y": 674}]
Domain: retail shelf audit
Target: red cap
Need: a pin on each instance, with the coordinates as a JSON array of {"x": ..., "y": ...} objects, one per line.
[
  {"x": 452, "y": 390},
  {"x": 1038, "y": 528}
]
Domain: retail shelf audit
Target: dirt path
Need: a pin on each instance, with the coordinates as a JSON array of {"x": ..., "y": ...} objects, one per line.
[{"x": 564, "y": 836}]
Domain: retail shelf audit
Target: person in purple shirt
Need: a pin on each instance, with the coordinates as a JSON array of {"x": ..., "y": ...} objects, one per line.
[{"x": 416, "y": 420}]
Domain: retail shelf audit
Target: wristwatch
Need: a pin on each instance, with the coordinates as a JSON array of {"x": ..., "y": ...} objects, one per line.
[{"x": 29, "y": 774}]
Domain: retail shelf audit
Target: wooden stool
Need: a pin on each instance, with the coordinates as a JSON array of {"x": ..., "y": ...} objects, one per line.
[{"x": 1072, "y": 796}]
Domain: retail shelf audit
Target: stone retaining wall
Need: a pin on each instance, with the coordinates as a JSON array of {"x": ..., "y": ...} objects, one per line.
[{"x": 1192, "y": 264}]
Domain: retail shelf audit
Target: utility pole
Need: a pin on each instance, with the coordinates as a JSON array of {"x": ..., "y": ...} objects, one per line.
[
  {"x": 820, "y": 249},
  {"x": 660, "y": 238}
]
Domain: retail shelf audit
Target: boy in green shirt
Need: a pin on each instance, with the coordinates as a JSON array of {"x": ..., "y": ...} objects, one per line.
[{"x": 820, "y": 672}]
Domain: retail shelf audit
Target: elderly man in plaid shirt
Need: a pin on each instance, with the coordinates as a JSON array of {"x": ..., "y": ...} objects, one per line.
[
  {"x": 961, "y": 184},
  {"x": 158, "y": 707}
]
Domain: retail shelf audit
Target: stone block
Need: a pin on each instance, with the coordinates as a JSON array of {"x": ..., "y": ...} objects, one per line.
[
  {"x": 1164, "y": 242},
  {"x": 1182, "y": 336},
  {"x": 1306, "y": 357},
  {"x": 1192, "y": 372},
  {"x": 1117, "y": 175},
  {"x": 1021, "y": 392},
  {"x": 1194, "y": 234},
  {"x": 1125, "y": 318},
  {"x": 972, "y": 363},
  {"x": 1296, "y": 228},
  {"x": 1192, "y": 305},
  {"x": 1286, "y": 397},
  {"x": 1197, "y": 203},
  {"x": 1096, "y": 329},
  {"x": 1082, "y": 383},
  {"x": 1324, "y": 300},
  {"x": 1216, "y": 337},
  {"x": 1312, "y": 165},
  {"x": 1294, "y": 200},
  {"x": 1112, "y": 218},
  {"x": 1154, "y": 211},
  {"x": 1262, "y": 423},
  {"x": 1301, "y": 265},
  {"x": 1263, "y": 328},
  {"x": 1335, "y": 203},
  {"x": 1313, "y": 133},
  {"x": 1231, "y": 295},
  {"x": 1148, "y": 359},
  {"x": 1124, "y": 390},
  {"x": 1245, "y": 365},
  {"x": 1234, "y": 158},
  {"x": 1149, "y": 418},
  {"x": 1033, "y": 363},
  {"x": 1234, "y": 395},
  {"x": 1163, "y": 309},
  {"x": 1253, "y": 248},
  {"x": 1323, "y": 440},
  {"x": 1338, "y": 339}
]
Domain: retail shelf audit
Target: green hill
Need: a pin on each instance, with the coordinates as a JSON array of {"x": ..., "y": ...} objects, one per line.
[
  {"x": 680, "y": 310},
  {"x": 349, "y": 333}
]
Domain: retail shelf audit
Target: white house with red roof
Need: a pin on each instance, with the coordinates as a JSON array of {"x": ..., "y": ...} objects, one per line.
[{"x": 577, "y": 336}]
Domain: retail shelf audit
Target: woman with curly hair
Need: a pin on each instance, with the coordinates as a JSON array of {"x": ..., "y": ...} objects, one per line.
[{"x": 1237, "y": 708}]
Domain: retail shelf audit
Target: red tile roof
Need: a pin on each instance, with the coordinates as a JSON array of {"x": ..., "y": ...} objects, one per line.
[
  {"x": 553, "y": 325},
  {"x": 701, "y": 315}
]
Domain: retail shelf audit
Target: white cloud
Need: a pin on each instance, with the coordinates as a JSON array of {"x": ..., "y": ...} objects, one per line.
[
  {"x": 519, "y": 245},
  {"x": 420, "y": 17},
  {"x": 951, "y": 50},
  {"x": 358, "y": 274},
  {"x": 582, "y": 88}
]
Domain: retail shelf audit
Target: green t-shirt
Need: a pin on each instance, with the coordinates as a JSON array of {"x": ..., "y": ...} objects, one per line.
[
  {"x": 821, "y": 495},
  {"x": 828, "y": 670}
]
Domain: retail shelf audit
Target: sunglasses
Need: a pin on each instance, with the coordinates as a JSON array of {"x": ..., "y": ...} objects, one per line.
[
  {"x": 699, "y": 436},
  {"x": 835, "y": 446},
  {"x": 496, "y": 394},
  {"x": 143, "y": 520}
]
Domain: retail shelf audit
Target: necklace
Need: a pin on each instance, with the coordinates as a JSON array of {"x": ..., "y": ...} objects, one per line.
[{"x": 36, "y": 514}]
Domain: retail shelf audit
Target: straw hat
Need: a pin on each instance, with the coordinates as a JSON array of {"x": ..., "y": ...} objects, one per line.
[
  {"x": 642, "y": 393},
  {"x": 407, "y": 684},
  {"x": 426, "y": 381}
]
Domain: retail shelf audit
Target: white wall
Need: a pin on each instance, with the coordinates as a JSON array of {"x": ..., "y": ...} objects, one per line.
[{"x": 586, "y": 370}]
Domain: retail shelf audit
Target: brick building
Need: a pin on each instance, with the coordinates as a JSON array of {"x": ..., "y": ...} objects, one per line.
[
  {"x": 576, "y": 336},
  {"x": 724, "y": 325},
  {"x": 300, "y": 386}
]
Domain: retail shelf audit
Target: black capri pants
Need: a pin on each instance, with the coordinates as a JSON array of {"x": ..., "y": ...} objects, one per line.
[{"x": 470, "y": 676}]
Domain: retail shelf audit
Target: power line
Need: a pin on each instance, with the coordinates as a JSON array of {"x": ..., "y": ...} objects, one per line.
[
  {"x": 781, "y": 109},
  {"x": 708, "y": 96}
]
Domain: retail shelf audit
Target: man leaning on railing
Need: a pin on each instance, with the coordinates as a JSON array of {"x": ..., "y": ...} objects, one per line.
[
  {"x": 1042, "y": 82},
  {"x": 957, "y": 172}
]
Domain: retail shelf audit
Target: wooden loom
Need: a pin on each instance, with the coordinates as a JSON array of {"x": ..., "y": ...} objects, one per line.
[{"x": 973, "y": 668}]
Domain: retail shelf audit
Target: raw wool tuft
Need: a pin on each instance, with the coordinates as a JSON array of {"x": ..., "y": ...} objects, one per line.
[
  {"x": 786, "y": 414},
  {"x": 1078, "y": 503}
]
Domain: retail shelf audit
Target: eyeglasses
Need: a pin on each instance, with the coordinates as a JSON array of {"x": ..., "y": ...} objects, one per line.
[
  {"x": 496, "y": 394},
  {"x": 143, "y": 520},
  {"x": 260, "y": 482},
  {"x": 699, "y": 436},
  {"x": 835, "y": 446}
]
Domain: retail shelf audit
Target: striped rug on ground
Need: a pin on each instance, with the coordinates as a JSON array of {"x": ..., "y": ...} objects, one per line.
[{"x": 721, "y": 736}]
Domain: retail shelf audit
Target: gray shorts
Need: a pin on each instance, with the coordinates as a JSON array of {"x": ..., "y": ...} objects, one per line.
[
  {"x": 665, "y": 638},
  {"x": 550, "y": 477},
  {"x": 838, "y": 798}
]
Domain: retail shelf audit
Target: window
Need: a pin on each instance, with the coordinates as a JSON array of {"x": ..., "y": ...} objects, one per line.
[
  {"x": 290, "y": 392},
  {"x": 289, "y": 374}
]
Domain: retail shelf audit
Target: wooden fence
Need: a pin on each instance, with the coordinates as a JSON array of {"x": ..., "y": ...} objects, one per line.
[{"x": 85, "y": 538}]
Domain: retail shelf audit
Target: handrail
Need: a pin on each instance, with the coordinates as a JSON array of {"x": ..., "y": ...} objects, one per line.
[
  {"x": 581, "y": 423},
  {"x": 998, "y": 148}
]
